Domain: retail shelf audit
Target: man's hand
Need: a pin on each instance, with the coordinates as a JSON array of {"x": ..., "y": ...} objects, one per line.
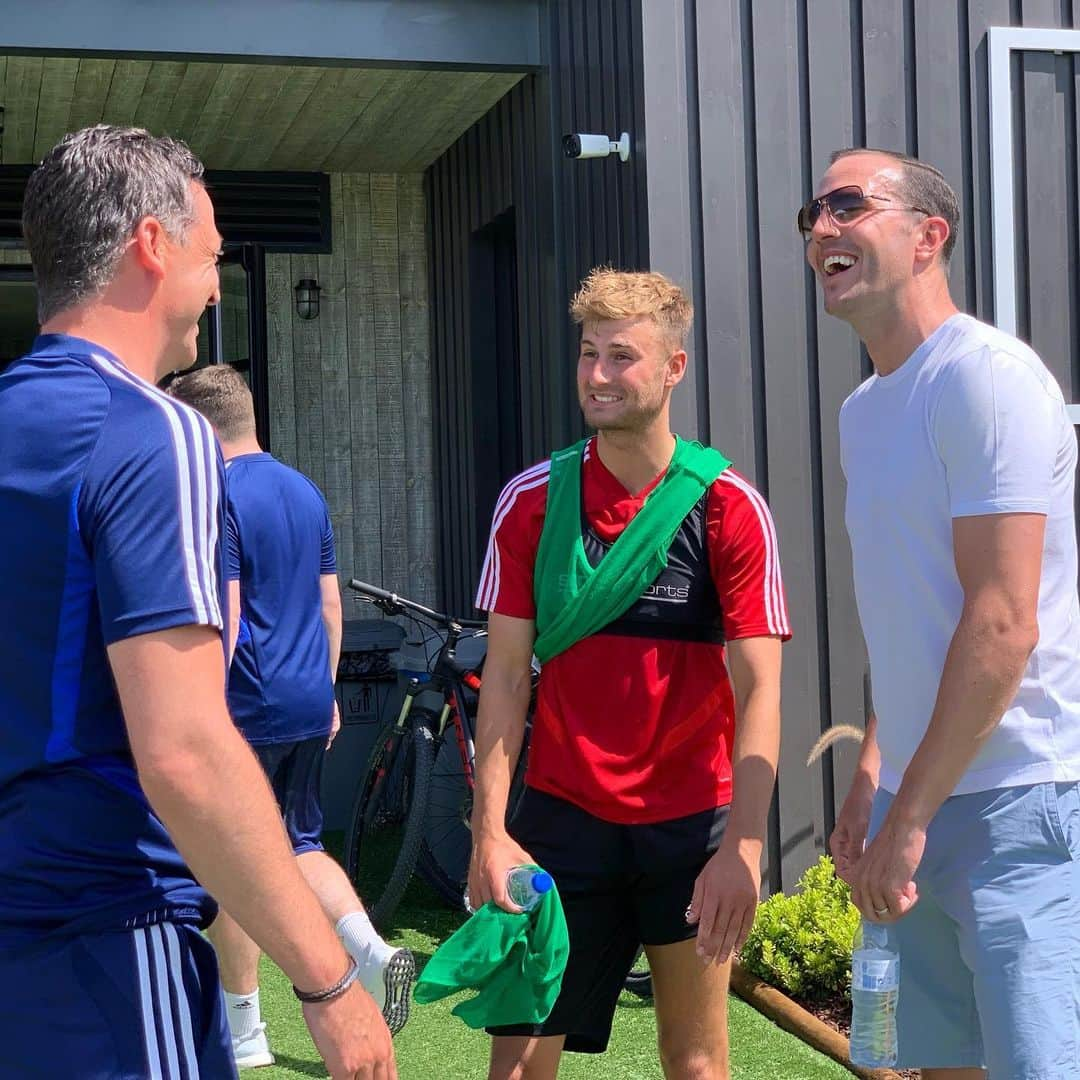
[
  {"x": 725, "y": 898},
  {"x": 493, "y": 857},
  {"x": 849, "y": 834},
  {"x": 335, "y": 725},
  {"x": 352, "y": 1037},
  {"x": 882, "y": 882}
]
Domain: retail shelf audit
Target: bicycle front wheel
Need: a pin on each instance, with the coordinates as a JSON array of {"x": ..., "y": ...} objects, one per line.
[{"x": 386, "y": 824}]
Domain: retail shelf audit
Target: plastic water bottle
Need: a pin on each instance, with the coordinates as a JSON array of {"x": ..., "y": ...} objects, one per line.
[
  {"x": 875, "y": 988},
  {"x": 526, "y": 885}
]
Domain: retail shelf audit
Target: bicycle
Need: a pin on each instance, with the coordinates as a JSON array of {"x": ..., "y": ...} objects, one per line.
[{"x": 415, "y": 799}]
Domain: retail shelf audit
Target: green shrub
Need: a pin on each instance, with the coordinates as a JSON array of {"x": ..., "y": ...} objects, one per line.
[{"x": 802, "y": 943}]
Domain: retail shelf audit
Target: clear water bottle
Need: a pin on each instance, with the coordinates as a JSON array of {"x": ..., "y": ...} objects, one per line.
[
  {"x": 526, "y": 885},
  {"x": 875, "y": 988}
]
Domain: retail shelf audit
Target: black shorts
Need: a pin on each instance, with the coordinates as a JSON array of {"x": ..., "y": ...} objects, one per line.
[
  {"x": 294, "y": 770},
  {"x": 621, "y": 886}
]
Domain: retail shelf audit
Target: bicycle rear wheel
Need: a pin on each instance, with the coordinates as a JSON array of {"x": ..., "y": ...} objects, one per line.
[
  {"x": 385, "y": 831},
  {"x": 447, "y": 847}
]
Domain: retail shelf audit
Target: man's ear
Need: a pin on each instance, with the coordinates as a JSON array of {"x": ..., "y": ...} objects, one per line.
[
  {"x": 934, "y": 234},
  {"x": 148, "y": 245},
  {"x": 676, "y": 367}
]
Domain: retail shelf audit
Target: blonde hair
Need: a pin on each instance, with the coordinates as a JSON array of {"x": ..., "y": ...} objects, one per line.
[
  {"x": 221, "y": 395},
  {"x": 608, "y": 294}
]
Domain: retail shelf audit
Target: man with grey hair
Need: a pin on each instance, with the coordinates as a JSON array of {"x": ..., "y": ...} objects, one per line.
[
  {"x": 960, "y": 463},
  {"x": 126, "y": 793}
]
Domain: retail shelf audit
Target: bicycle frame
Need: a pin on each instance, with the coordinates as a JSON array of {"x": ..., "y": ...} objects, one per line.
[{"x": 446, "y": 674}]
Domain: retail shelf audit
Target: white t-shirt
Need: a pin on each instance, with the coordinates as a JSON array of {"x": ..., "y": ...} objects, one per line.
[{"x": 971, "y": 423}]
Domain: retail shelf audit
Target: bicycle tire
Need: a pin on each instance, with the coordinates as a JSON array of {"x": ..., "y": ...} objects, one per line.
[
  {"x": 639, "y": 979},
  {"x": 444, "y": 857},
  {"x": 383, "y": 842}
]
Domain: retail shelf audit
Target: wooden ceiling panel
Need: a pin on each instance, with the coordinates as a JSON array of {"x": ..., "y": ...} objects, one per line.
[
  {"x": 249, "y": 116},
  {"x": 91, "y": 93}
]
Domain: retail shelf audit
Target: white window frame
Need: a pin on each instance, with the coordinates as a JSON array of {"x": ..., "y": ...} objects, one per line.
[{"x": 1002, "y": 42}]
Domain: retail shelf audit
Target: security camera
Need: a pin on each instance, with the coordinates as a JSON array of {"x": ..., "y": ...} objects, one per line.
[{"x": 595, "y": 146}]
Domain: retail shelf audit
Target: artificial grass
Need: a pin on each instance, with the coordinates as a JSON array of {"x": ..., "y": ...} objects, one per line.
[{"x": 437, "y": 1046}]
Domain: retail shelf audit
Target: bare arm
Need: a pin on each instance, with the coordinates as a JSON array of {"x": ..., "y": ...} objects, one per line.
[
  {"x": 234, "y": 617},
  {"x": 331, "y": 617},
  {"x": 999, "y": 563},
  {"x": 500, "y": 728},
  {"x": 853, "y": 821},
  {"x": 206, "y": 785},
  {"x": 727, "y": 890}
]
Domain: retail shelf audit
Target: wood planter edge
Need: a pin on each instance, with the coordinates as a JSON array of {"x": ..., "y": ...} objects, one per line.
[{"x": 785, "y": 1013}]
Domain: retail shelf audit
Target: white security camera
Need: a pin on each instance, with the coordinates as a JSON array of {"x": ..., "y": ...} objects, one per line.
[{"x": 594, "y": 146}]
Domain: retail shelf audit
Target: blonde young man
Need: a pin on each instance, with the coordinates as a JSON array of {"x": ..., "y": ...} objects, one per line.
[
  {"x": 127, "y": 796},
  {"x": 960, "y": 464},
  {"x": 284, "y": 641},
  {"x": 650, "y": 771}
]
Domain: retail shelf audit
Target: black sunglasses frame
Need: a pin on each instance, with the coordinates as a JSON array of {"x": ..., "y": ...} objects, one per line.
[{"x": 809, "y": 213}]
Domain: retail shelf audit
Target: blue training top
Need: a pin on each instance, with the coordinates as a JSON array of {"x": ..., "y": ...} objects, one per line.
[
  {"x": 280, "y": 542},
  {"x": 110, "y": 527}
]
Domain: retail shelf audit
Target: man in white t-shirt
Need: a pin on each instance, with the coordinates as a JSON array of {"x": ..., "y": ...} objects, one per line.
[{"x": 960, "y": 462}]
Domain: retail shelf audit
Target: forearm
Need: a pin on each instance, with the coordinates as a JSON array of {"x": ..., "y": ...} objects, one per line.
[
  {"x": 754, "y": 759},
  {"x": 982, "y": 672},
  {"x": 864, "y": 783},
  {"x": 231, "y": 837},
  {"x": 500, "y": 730},
  {"x": 331, "y": 617}
]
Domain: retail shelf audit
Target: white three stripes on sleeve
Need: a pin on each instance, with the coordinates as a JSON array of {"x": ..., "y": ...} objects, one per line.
[
  {"x": 775, "y": 609},
  {"x": 197, "y": 485},
  {"x": 488, "y": 593}
]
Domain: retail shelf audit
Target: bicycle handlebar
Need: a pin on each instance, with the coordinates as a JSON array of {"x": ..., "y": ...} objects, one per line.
[{"x": 388, "y": 601}]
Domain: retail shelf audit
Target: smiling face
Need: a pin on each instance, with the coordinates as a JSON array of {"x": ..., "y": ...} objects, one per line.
[
  {"x": 191, "y": 282},
  {"x": 867, "y": 258},
  {"x": 626, "y": 371}
]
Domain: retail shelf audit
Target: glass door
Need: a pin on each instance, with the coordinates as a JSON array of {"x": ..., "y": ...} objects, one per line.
[{"x": 234, "y": 332}]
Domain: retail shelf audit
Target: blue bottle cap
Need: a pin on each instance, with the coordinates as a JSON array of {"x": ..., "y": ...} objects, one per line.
[{"x": 542, "y": 881}]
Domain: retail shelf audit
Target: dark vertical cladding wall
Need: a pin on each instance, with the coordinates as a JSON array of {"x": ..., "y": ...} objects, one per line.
[
  {"x": 501, "y": 166},
  {"x": 568, "y": 216},
  {"x": 762, "y": 93}
]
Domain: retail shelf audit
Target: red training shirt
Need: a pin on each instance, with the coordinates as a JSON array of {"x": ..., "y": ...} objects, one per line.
[{"x": 637, "y": 730}]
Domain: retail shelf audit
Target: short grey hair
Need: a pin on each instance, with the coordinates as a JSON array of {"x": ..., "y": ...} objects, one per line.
[
  {"x": 86, "y": 197},
  {"x": 921, "y": 185}
]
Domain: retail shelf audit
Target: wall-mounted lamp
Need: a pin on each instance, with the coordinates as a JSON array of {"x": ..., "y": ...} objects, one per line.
[{"x": 307, "y": 298}]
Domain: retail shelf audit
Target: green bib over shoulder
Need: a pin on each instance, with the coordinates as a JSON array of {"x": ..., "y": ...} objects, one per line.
[{"x": 575, "y": 599}]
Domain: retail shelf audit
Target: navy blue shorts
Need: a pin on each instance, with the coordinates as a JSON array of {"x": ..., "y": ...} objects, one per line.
[
  {"x": 294, "y": 770},
  {"x": 121, "y": 1005}
]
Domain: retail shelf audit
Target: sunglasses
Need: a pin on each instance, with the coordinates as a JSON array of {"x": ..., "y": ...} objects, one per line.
[{"x": 845, "y": 205}]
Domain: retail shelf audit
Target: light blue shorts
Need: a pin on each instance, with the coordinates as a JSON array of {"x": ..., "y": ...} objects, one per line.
[{"x": 990, "y": 955}]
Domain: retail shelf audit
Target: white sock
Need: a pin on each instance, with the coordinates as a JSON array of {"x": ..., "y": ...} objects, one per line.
[
  {"x": 243, "y": 1013},
  {"x": 362, "y": 940}
]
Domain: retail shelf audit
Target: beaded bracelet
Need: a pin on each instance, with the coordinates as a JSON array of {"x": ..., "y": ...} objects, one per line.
[{"x": 319, "y": 997}]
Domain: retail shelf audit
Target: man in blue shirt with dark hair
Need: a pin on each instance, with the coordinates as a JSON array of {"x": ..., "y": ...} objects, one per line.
[
  {"x": 285, "y": 630},
  {"x": 126, "y": 794}
]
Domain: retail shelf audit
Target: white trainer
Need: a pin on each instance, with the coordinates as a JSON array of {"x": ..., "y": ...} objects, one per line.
[
  {"x": 390, "y": 984},
  {"x": 252, "y": 1051}
]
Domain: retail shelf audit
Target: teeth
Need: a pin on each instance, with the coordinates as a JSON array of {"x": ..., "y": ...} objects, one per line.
[
  {"x": 606, "y": 398},
  {"x": 834, "y": 263}
]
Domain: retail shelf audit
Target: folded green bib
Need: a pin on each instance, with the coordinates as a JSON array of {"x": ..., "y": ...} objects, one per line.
[
  {"x": 515, "y": 960},
  {"x": 575, "y": 599}
]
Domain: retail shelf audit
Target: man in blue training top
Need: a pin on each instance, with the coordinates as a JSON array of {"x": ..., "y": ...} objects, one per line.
[
  {"x": 285, "y": 630},
  {"x": 125, "y": 790}
]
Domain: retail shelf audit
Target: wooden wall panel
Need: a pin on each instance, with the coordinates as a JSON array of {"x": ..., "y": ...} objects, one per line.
[{"x": 350, "y": 391}]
